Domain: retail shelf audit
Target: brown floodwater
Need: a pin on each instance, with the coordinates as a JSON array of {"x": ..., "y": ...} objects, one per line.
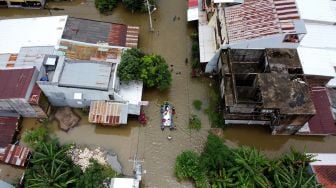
[{"x": 171, "y": 40}]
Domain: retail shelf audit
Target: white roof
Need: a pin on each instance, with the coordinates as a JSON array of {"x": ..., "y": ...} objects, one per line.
[
  {"x": 131, "y": 92},
  {"x": 321, "y": 10},
  {"x": 207, "y": 43},
  {"x": 324, "y": 159},
  {"x": 124, "y": 183},
  {"x": 192, "y": 14},
  {"x": 40, "y": 31},
  {"x": 317, "y": 51}
]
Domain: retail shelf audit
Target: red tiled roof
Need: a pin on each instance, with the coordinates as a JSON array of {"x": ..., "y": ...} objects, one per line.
[
  {"x": 258, "y": 18},
  {"x": 14, "y": 83},
  {"x": 8, "y": 126},
  {"x": 192, "y": 3},
  {"x": 322, "y": 122},
  {"x": 326, "y": 175},
  {"x": 15, "y": 155}
]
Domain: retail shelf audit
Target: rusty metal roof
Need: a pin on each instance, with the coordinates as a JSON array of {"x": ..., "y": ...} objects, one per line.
[
  {"x": 14, "y": 83},
  {"x": 14, "y": 155},
  {"x": 322, "y": 122},
  {"x": 8, "y": 127},
  {"x": 259, "y": 18},
  {"x": 91, "y": 31},
  {"x": 108, "y": 112}
]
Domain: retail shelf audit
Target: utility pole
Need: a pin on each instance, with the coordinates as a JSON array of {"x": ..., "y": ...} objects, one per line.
[{"x": 150, "y": 15}]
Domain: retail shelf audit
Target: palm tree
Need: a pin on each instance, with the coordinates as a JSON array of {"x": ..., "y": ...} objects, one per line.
[{"x": 56, "y": 176}]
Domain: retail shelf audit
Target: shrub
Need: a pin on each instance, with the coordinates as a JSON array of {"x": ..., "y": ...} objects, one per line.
[
  {"x": 187, "y": 166},
  {"x": 195, "y": 122},
  {"x": 35, "y": 137},
  {"x": 197, "y": 104}
]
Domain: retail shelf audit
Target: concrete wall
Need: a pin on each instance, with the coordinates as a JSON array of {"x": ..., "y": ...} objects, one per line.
[
  {"x": 274, "y": 41},
  {"x": 64, "y": 96}
]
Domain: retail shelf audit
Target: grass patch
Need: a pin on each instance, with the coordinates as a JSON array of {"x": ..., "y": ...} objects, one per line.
[
  {"x": 195, "y": 122},
  {"x": 214, "y": 109},
  {"x": 197, "y": 104}
]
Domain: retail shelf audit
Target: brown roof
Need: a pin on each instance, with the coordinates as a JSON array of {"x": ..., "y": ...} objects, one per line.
[
  {"x": 91, "y": 31},
  {"x": 8, "y": 126},
  {"x": 14, "y": 83},
  {"x": 322, "y": 122},
  {"x": 15, "y": 155},
  {"x": 35, "y": 95},
  {"x": 108, "y": 112},
  {"x": 326, "y": 175}
]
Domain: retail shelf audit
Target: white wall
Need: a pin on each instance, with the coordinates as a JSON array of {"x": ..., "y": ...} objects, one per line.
[{"x": 274, "y": 41}]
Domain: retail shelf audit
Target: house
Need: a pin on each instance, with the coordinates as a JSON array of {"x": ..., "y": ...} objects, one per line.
[
  {"x": 325, "y": 169},
  {"x": 20, "y": 95},
  {"x": 75, "y": 62},
  {"x": 264, "y": 87},
  {"x": 317, "y": 50},
  {"x": 254, "y": 24}
]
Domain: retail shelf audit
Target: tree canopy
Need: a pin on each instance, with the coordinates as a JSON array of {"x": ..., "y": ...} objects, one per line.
[
  {"x": 151, "y": 69},
  {"x": 244, "y": 167},
  {"x": 137, "y": 5},
  {"x": 104, "y": 6}
]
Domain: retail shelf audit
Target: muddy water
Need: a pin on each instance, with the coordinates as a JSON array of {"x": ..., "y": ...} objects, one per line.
[{"x": 171, "y": 40}]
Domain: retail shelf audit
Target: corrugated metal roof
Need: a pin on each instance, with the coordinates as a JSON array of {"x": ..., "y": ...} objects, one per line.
[
  {"x": 91, "y": 31},
  {"x": 39, "y": 31},
  {"x": 322, "y": 122},
  {"x": 322, "y": 10},
  {"x": 14, "y": 83},
  {"x": 8, "y": 126},
  {"x": 15, "y": 155},
  {"x": 258, "y": 18},
  {"x": 108, "y": 112},
  {"x": 86, "y": 74}
]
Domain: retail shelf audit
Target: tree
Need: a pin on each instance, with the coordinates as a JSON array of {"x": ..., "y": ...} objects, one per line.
[
  {"x": 95, "y": 174},
  {"x": 104, "y": 6},
  {"x": 137, "y": 5},
  {"x": 154, "y": 72},
  {"x": 151, "y": 69},
  {"x": 129, "y": 68}
]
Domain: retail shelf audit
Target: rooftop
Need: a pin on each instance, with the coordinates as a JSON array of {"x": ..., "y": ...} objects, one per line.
[
  {"x": 8, "y": 126},
  {"x": 39, "y": 31},
  {"x": 14, "y": 155},
  {"x": 290, "y": 96},
  {"x": 259, "y": 18},
  {"x": 321, "y": 11},
  {"x": 14, "y": 83},
  {"x": 91, "y": 31},
  {"x": 322, "y": 123},
  {"x": 325, "y": 169},
  {"x": 86, "y": 74},
  {"x": 27, "y": 57},
  {"x": 108, "y": 112}
]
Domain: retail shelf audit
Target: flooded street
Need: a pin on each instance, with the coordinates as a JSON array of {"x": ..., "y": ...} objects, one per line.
[{"x": 171, "y": 40}]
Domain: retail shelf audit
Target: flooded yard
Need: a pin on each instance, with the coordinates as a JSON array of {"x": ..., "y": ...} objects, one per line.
[{"x": 171, "y": 40}]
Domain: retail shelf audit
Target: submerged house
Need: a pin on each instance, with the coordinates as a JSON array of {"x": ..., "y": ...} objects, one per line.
[
  {"x": 253, "y": 24},
  {"x": 265, "y": 87},
  {"x": 75, "y": 60}
]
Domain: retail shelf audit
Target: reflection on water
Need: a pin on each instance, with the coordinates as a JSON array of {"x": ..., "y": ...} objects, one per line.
[{"x": 171, "y": 40}]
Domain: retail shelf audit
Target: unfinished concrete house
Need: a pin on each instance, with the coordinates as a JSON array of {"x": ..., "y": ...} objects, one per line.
[{"x": 265, "y": 87}]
